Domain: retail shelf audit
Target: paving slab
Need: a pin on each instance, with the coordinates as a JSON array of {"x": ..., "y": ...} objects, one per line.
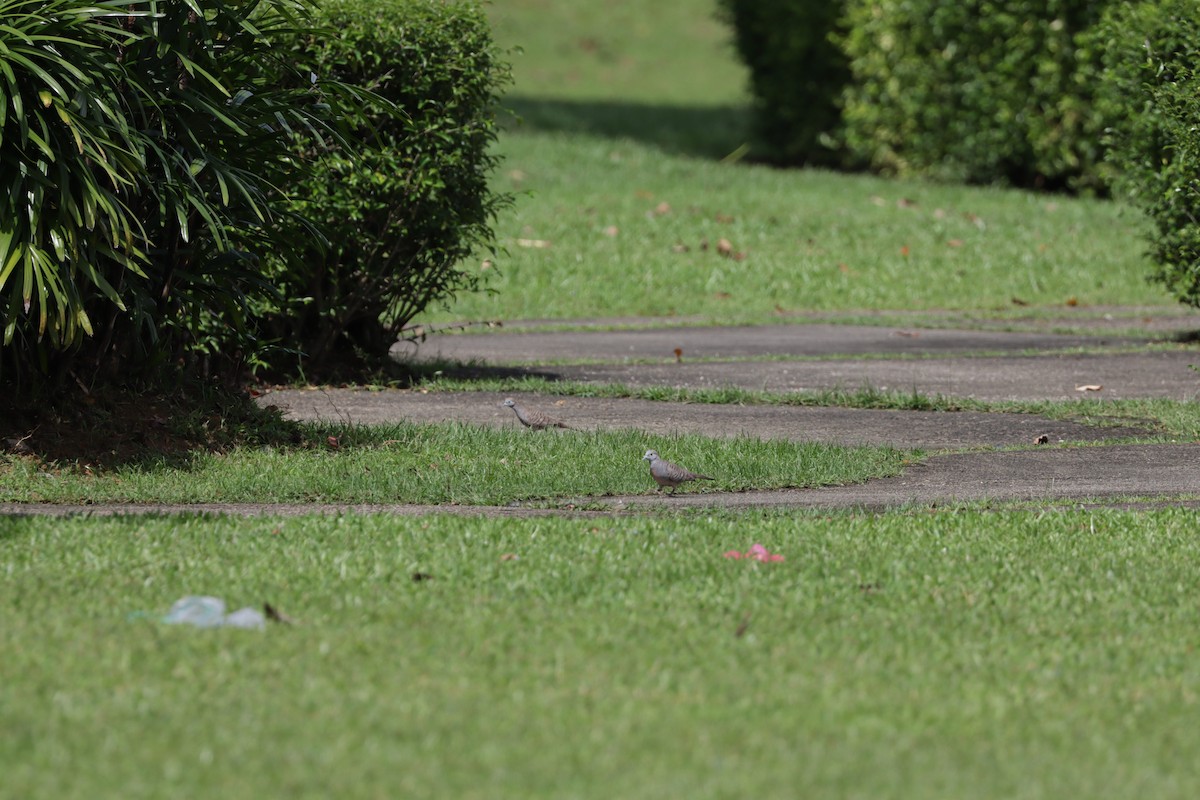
[
  {"x": 926, "y": 430},
  {"x": 1119, "y": 376},
  {"x": 817, "y": 339}
]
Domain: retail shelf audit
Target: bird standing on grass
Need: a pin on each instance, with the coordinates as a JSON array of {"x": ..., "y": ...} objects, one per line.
[
  {"x": 667, "y": 474},
  {"x": 532, "y": 418}
]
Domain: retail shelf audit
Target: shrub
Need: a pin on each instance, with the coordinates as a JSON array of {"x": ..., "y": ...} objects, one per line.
[
  {"x": 140, "y": 142},
  {"x": 981, "y": 91},
  {"x": 1151, "y": 96},
  {"x": 409, "y": 200},
  {"x": 797, "y": 74}
]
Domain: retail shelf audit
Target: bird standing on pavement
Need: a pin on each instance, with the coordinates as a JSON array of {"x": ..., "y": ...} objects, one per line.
[
  {"x": 667, "y": 474},
  {"x": 532, "y": 418}
]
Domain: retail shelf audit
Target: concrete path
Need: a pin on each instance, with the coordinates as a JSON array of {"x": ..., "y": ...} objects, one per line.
[{"x": 1078, "y": 465}]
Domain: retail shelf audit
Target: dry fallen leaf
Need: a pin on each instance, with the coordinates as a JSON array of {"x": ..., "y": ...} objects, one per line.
[
  {"x": 679, "y": 247},
  {"x": 1072, "y": 301},
  {"x": 538, "y": 243},
  {"x": 1089, "y": 387},
  {"x": 904, "y": 202},
  {"x": 662, "y": 208},
  {"x": 611, "y": 230},
  {"x": 955, "y": 243},
  {"x": 510, "y": 557},
  {"x": 724, "y": 247},
  {"x": 275, "y": 615}
]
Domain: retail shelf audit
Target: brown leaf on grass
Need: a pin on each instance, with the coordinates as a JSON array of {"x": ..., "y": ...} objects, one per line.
[
  {"x": 662, "y": 208},
  {"x": 275, "y": 615},
  {"x": 611, "y": 230},
  {"x": 724, "y": 247},
  {"x": 1089, "y": 387},
  {"x": 904, "y": 251},
  {"x": 846, "y": 270},
  {"x": 722, "y": 295},
  {"x": 723, "y": 218},
  {"x": 535, "y": 243},
  {"x": 740, "y": 255},
  {"x": 1072, "y": 301},
  {"x": 954, "y": 243},
  {"x": 904, "y": 202},
  {"x": 680, "y": 247},
  {"x": 510, "y": 557},
  {"x": 1016, "y": 301}
]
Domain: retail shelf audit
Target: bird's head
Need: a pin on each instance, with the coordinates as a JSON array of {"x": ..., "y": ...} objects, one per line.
[
  {"x": 509, "y": 402},
  {"x": 650, "y": 456}
]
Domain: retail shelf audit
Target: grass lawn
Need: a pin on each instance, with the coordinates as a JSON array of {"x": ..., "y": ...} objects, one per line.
[
  {"x": 447, "y": 463},
  {"x": 623, "y": 199},
  {"x": 967, "y": 655}
]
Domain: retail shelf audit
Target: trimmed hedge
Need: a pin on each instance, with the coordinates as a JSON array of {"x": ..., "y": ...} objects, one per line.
[
  {"x": 1151, "y": 96},
  {"x": 404, "y": 207},
  {"x": 980, "y": 91},
  {"x": 797, "y": 74}
]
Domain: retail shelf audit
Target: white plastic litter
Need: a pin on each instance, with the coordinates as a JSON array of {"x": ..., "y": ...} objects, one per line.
[{"x": 202, "y": 611}]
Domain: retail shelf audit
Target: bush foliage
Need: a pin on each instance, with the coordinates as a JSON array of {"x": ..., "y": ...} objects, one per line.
[
  {"x": 797, "y": 74},
  {"x": 160, "y": 159},
  {"x": 1151, "y": 96},
  {"x": 407, "y": 200},
  {"x": 977, "y": 91}
]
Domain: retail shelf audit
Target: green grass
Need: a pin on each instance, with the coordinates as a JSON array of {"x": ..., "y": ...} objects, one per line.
[
  {"x": 446, "y": 463},
  {"x": 617, "y": 123},
  {"x": 966, "y": 655}
]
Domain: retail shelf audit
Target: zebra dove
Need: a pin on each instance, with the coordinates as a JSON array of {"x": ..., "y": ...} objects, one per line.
[
  {"x": 667, "y": 474},
  {"x": 532, "y": 418}
]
